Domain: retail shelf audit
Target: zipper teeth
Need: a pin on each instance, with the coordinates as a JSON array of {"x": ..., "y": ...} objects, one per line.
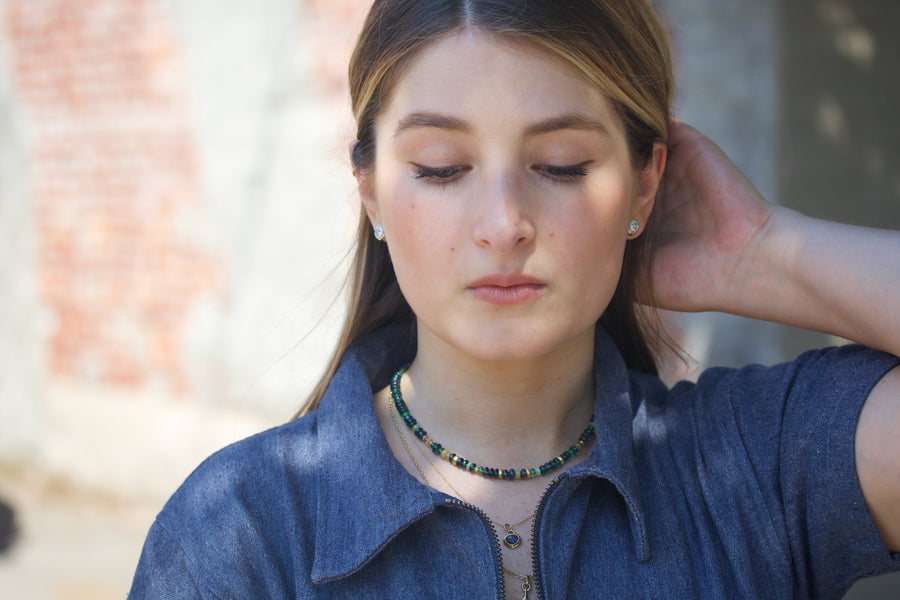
[
  {"x": 535, "y": 525},
  {"x": 495, "y": 542}
]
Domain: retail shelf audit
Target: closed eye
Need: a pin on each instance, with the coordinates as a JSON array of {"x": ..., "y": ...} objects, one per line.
[
  {"x": 441, "y": 175},
  {"x": 563, "y": 174}
]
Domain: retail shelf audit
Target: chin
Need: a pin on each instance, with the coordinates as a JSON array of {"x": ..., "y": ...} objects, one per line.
[{"x": 514, "y": 346}]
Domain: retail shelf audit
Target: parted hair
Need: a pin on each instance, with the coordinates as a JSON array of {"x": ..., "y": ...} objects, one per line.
[{"x": 617, "y": 45}]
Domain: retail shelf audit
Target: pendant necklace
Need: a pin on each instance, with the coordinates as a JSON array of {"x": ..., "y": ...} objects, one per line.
[{"x": 512, "y": 540}]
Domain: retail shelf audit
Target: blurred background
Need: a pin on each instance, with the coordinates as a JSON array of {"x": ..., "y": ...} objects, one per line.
[{"x": 176, "y": 207}]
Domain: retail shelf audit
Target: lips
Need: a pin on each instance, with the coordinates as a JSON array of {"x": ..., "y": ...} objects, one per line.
[{"x": 506, "y": 288}]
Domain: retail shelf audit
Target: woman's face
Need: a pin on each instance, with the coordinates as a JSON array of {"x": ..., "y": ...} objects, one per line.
[{"x": 503, "y": 182}]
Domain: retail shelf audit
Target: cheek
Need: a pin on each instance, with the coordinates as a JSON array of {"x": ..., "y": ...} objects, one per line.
[
  {"x": 593, "y": 228},
  {"x": 422, "y": 237},
  {"x": 590, "y": 240},
  {"x": 595, "y": 251}
]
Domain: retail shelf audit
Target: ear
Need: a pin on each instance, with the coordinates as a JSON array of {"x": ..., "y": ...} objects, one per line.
[
  {"x": 366, "y": 185},
  {"x": 648, "y": 183}
]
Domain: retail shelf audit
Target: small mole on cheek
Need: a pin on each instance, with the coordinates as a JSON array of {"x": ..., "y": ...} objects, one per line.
[
  {"x": 452, "y": 249},
  {"x": 552, "y": 233}
]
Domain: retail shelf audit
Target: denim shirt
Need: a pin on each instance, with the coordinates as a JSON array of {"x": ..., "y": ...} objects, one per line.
[{"x": 742, "y": 485}]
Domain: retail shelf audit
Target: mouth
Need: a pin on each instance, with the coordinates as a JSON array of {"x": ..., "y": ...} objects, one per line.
[{"x": 506, "y": 288}]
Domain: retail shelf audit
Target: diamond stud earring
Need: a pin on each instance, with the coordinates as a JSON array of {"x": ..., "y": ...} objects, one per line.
[
  {"x": 379, "y": 232},
  {"x": 633, "y": 227}
]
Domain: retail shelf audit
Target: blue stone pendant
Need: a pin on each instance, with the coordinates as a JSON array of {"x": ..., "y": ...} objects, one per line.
[{"x": 512, "y": 540}]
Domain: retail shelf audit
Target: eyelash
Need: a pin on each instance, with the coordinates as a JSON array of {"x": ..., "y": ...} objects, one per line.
[
  {"x": 569, "y": 174},
  {"x": 440, "y": 175},
  {"x": 447, "y": 175}
]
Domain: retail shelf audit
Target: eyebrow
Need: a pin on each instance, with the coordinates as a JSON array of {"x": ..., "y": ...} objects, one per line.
[
  {"x": 566, "y": 121},
  {"x": 448, "y": 123},
  {"x": 429, "y": 119}
]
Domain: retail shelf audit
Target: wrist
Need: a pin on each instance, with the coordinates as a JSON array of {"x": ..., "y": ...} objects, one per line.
[{"x": 761, "y": 280}]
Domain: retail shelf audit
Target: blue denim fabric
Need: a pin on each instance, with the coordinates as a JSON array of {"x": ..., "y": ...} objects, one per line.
[{"x": 741, "y": 486}]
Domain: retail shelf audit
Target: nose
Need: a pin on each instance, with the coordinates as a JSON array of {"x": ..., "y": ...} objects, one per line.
[{"x": 503, "y": 221}]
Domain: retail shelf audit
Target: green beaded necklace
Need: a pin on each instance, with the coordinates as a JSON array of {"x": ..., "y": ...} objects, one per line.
[{"x": 488, "y": 472}]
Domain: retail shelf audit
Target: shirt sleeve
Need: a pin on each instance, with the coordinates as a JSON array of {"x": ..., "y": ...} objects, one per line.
[{"x": 797, "y": 424}]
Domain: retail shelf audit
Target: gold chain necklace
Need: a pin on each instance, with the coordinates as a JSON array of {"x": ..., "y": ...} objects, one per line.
[
  {"x": 511, "y": 540},
  {"x": 515, "y": 538}
]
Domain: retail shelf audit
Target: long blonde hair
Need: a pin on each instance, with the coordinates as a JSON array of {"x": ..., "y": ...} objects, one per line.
[{"x": 617, "y": 45}]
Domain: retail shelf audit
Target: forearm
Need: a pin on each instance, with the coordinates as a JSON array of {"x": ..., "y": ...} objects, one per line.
[{"x": 829, "y": 277}]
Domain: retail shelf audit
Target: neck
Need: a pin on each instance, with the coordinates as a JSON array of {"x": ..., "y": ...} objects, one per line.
[{"x": 515, "y": 413}]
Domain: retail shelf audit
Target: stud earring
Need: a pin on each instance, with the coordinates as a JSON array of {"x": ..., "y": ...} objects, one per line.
[
  {"x": 379, "y": 232},
  {"x": 633, "y": 227}
]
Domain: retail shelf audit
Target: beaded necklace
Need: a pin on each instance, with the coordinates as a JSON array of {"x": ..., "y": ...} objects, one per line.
[
  {"x": 510, "y": 533},
  {"x": 511, "y": 540},
  {"x": 488, "y": 472}
]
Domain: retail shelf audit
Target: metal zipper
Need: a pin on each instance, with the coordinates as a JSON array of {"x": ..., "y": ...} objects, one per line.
[
  {"x": 535, "y": 526},
  {"x": 495, "y": 542}
]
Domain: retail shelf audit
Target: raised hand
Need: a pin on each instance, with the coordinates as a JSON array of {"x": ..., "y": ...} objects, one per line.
[
  {"x": 720, "y": 246},
  {"x": 710, "y": 223}
]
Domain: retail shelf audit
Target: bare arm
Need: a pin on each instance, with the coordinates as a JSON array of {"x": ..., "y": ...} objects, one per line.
[
  {"x": 825, "y": 276},
  {"x": 721, "y": 247},
  {"x": 877, "y": 452}
]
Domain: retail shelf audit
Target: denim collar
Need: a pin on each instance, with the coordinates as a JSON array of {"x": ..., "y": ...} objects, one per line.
[{"x": 366, "y": 497}]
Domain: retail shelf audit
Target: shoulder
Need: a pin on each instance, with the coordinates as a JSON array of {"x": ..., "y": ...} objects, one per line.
[
  {"x": 830, "y": 373},
  {"x": 251, "y": 503},
  {"x": 769, "y": 453},
  {"x": 777, "y": 414},
  {"x": 244, "y": 472},
  {"x": 248, "y": 521}
]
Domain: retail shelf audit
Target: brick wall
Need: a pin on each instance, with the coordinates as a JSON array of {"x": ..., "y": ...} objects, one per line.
[{"x": 115, "y": 185}]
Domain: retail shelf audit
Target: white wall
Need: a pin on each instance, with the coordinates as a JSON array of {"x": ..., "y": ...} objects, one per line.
[{"x": 20, "y": 358}]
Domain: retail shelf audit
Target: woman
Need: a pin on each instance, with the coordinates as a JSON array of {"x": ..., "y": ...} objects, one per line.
[{"x": 492, "y": 424}]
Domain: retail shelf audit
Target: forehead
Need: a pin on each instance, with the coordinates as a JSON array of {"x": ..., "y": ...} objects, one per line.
[{"x": 480, "y": 77}]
